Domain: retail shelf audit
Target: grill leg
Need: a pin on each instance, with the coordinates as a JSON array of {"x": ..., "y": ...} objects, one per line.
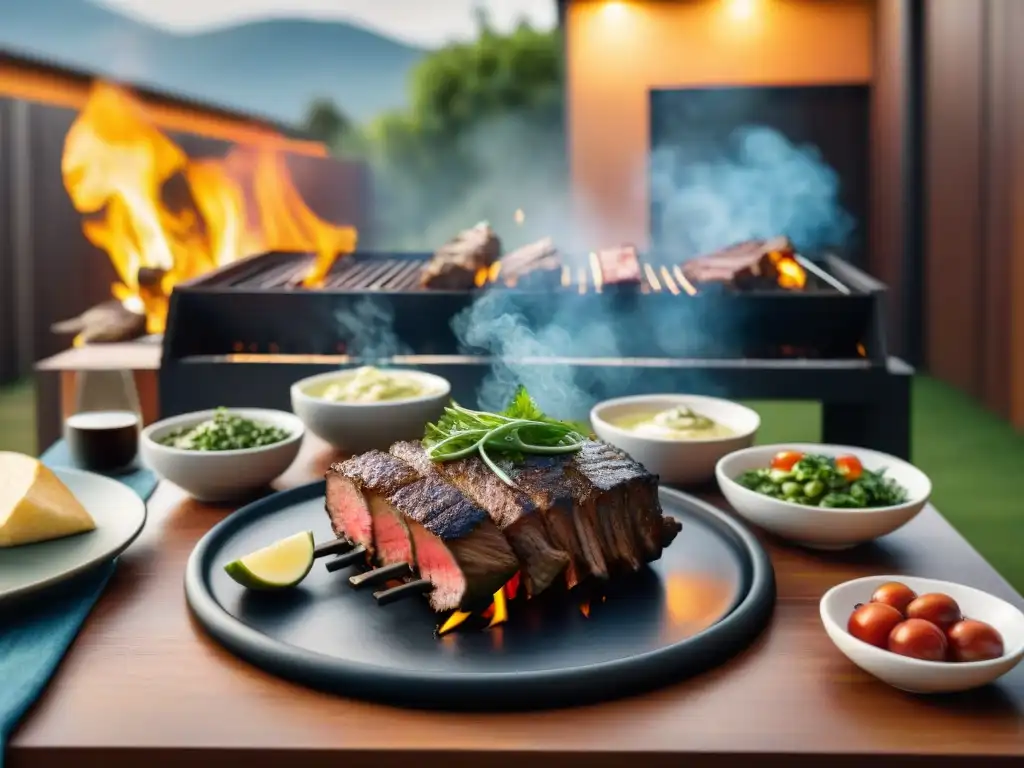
[{"x": 883, "y": 424}]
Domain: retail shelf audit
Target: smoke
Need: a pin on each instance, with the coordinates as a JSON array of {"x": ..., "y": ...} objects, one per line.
[
  {"x": 368, "y": 332},
  {"x": 765, "y": 186},
  {"x": 762, "y": 187}
]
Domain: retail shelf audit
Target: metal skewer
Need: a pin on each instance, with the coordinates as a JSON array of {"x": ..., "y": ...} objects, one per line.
[
  {"x": 379, "y": 575},
  {"x": 344, "y": 561},
  {"x": 402, "y": 592}
]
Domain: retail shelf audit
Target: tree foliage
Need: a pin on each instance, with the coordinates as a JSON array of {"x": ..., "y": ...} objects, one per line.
[
  {"x": 325, "y": 122},
  {"x": 469, "y": 103}
]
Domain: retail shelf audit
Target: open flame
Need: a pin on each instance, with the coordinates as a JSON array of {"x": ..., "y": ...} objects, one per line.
[
  {"x": 790, "y": 274},
  {"x": 119, "y": 169}
]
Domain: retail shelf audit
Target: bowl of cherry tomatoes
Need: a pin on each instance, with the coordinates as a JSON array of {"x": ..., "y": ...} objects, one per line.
[
  {"x": 823, "y": 496},
  {"x": 923, "y": 635}
]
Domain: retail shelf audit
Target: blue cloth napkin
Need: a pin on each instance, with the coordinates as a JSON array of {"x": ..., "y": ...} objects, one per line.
[{"x": 34, "y": 636}]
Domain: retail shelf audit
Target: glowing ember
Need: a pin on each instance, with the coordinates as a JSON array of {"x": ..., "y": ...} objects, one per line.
[
  {"x": 117, "y": 169},
  {"x": 791, "y": 274},
  {"x": 585, "y": 609}
]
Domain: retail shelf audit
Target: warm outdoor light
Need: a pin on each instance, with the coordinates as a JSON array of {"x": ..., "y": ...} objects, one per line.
[
  {"x": 613, "y": 9},
  {"x": 742, "y": 10}
]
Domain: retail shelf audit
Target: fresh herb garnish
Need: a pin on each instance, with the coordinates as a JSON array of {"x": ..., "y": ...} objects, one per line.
[{"x": 520, "y": 429}]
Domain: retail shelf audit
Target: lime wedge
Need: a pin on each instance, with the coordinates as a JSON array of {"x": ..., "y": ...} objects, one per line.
[{"x": 282, "y": 564}]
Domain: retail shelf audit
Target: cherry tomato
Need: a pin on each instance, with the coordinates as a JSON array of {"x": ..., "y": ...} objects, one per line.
[
  {"x": 893, "y": 593},
  {"x": 919, "y": 639},
  {"x": 971, "y": 640},
  {"x": 873, "y": 622},
  {"x": 785, "y": 460},
  {"x": 849, "y": 467},
  {"x": 941, "y": 610}
]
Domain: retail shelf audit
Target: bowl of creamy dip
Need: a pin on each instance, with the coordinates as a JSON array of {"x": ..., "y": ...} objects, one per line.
[
  {"x": 360, "y": 409},
  {"x": 678, "y": 437}
]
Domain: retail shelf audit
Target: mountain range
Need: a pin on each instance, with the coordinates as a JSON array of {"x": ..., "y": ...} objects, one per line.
[{"x": 273, "y": 69}]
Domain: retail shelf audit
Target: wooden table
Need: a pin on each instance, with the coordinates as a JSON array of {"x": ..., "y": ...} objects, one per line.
[{"x": 143, "y": 686}]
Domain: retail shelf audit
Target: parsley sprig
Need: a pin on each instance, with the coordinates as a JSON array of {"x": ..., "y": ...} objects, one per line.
[{"x": 520, "y": 429}]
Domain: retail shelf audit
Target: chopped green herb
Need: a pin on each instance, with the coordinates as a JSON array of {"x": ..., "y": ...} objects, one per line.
[
  {"x": 520, "y": 429},
  {"x": 226, "y": 431}
]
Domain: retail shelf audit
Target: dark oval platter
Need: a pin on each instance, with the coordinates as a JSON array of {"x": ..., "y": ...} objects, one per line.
[{"x": 706, "y": 599}]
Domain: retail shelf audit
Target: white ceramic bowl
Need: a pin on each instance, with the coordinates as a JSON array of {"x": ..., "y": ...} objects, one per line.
[
  {"x": 680, "y": 462},
  {"x": 359, "y": 427},
  {"x": 914, "y": 675},
  {"x": 817, "y": 527},
  {"x": 221, "y": 475}
]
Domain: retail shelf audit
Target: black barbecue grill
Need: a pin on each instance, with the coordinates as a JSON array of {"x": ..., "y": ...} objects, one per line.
[{"x": 825, "y": 342}]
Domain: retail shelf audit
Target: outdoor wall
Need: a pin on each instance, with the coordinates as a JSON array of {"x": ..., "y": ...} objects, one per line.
[
  {"x": 974, "y": 219},
  {"x": 617, "y": 51}
]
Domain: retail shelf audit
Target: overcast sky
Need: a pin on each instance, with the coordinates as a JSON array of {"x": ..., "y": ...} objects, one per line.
[{"x": 428, "y": 23}]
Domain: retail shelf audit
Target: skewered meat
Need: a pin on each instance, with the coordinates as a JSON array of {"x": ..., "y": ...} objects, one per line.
[
  {"x": 590, "y": 514},
  {"x": 454, "y": 265},
  {"x": 451, "y": 541},
  {"x": 743, "y": 264},
  {"x": 541, "y": 256},
  {"x": 619, "y": 265}
]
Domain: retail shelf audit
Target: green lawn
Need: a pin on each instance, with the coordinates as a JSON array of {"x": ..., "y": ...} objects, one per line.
[{"x": 970, "y": 455}]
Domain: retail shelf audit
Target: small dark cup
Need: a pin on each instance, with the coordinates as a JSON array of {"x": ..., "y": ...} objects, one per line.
[{"x": 103, "y": 441}]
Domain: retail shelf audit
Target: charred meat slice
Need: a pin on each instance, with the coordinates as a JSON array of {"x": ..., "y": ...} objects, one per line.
[
  {"x": 545, "y": 481},
  {"x": 361, "y": 517},
  {"x": 619, "y": 265},
  {"x": 455, "y": 544},
  {"x": 515, "y": 514},
  {"x": 454, "y": 265},
  {"x": 624, "y": 496}
]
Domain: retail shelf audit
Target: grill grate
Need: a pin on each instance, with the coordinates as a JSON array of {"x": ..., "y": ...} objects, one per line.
[{"x": 390, "y": 273}]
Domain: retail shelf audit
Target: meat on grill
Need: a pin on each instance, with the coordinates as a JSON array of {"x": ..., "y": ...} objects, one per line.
[
  {"x": 455, "y": 264},
  {"x": 541, "y": 256},
  {"x": 425, "y": 522},
  {"x": 743, "y": 264},
  {"x": 619, "y": 265},
  {"x": 589, "y": 514},
  {"x": 512, "y": 511}
]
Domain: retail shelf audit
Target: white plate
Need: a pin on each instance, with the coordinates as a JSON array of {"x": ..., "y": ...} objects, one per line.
[{"x": 119, "y": 513}]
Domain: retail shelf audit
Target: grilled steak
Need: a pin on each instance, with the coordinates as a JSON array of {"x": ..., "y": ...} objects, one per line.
[
  {"x": 455, "y": 544},
  {"x": 355, "y": 503},
  {"x": 740, "y": 264},
  {"x": 624, "y": 498},
  {"x": 611, "y": 501},
  {"x": 545, "y": 481},
  {"x": 515, "y": 514},
  {"x": 619, "y": 265},
  {"x": 535, "y": 257},
  {"x": 454, "y": 265}
]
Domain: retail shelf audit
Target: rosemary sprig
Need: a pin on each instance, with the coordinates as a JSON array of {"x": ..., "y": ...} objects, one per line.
[{"x": 520, "y": 429}]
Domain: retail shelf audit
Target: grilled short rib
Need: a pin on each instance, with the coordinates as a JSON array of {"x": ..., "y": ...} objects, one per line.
[
  {"x": 742, "y": 264},
  {"x": 454, "y": 265},
  {"x": 541, "y": 256},
  {"x": 515, "y": 514},
  {"x": 614, "y": 507},
  {"x": 453, "y": 542}
]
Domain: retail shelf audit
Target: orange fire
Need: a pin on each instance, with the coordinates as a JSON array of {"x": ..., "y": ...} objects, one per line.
[
  {"x": 119, "y": 168},
  {"x": 497, "y": 611},
  {"x": 790, "y": 274}
]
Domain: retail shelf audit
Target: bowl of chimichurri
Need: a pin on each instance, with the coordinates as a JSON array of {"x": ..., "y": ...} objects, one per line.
[{"x": 224, "y": 453}]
